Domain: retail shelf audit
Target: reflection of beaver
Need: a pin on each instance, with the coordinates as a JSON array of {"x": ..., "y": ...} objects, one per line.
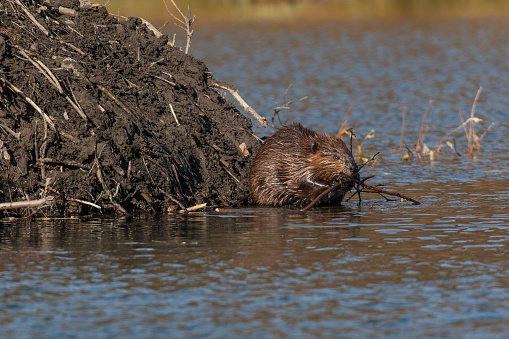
[{"x": 296, "y": 164}]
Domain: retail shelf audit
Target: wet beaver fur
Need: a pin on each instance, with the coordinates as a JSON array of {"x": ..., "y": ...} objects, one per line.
[{"x": 296, "y": 164}]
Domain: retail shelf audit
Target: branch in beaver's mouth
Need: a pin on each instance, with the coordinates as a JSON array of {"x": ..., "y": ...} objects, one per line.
[{"x": 360, "y": 185}]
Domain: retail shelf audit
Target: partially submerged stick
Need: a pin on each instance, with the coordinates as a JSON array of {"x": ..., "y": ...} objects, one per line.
[
  {"x": 395, "y": 194},
  {"x": 360, "y": 183},
  {"x": 315, "y": 200}
]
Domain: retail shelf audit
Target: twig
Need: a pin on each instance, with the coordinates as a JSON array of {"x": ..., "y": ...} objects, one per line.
[
  {"x": 174, "y": 115},
  {"x": 421, "y": 131},
  {"x": 17, "y": 135},
  {"x": 342, "y": 128},
  {"x": 235, "y": 93},
  {"x": 193, "y": 208},
  {"x": 108, "y": 192},
  {"x": 471, "y": 129},
  {"x": 42, "y": 151},
  {"x": 186, "y": 22},
  {"x": 85, "y": 202},
  {"x": 163, "y": 79},
  {"x": 43, "y": 69},
  {"x": 487, "y": 130},
  {"x": 30, "y": 102},
  {"x": 231, "y": 174},
  {"x": 360, "y": 183},
  {"x": 26, "y": 204},
  {"x": 402, "y": 126},
  {"x": 31, "y": 17},
  {"x": 463, "y": 125},
  {"x": 71, "y": 164},
  {"x": 74, "y": 103},
  {"x": 396, "y": 194},
  {"x": 114, "y": 98},
  {"x": 285, "y": 105},
  {"x": 315, "y": 200},
  {"x": 53, "y": 80},
  {"x": 152, "y": 28},
  {"x": 367, "y": 161}
]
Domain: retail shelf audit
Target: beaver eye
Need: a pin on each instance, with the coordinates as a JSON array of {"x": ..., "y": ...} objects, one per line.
[{"x": 335, "y": 157}]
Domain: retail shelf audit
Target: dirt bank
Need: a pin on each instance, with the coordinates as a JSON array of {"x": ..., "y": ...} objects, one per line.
[{"x": 102, "y": 115}]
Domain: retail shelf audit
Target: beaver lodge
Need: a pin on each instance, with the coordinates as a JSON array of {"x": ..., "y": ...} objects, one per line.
[{"x": 98, "y": 114}]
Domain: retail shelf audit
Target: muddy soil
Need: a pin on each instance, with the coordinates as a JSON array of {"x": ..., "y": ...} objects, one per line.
[{"x": 101, "y": 115}]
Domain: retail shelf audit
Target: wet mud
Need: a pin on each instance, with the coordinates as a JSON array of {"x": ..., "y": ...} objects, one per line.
[{"x": 101, "y": 115}]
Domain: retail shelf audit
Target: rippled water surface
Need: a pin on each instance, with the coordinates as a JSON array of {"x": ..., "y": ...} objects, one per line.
[{"x": 381, "y": 269}]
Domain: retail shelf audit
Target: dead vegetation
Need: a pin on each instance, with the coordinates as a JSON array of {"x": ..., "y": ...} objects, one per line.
[{"x": 472, "y": 140}]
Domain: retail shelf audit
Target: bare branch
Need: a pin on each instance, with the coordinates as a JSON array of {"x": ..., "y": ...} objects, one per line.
[
  {"x": 26, "y": 204},
  {"x": 31, "y": 17},
  {"x": 235, "y": 93}
]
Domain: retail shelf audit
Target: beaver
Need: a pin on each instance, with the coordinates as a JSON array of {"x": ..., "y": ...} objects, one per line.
[{"x": 296, "y": 164}]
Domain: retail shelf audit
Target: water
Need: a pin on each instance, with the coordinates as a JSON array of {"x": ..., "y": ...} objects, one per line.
[{"x": 382, "y": 269}]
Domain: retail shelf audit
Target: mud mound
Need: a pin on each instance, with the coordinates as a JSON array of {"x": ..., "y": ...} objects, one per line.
[{"x": 98, "y": 113}]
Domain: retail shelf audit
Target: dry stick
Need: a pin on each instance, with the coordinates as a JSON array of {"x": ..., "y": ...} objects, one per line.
[
  {"x": 362, "y": 184},
  {"x": 118, "y": 102},
  {"x": 193, "y": 208},
  {"x": 343, "y": 123},
  {"x": 471, "y": 129},
  {"x": 31, "y": 103},
  {"x": 31, "y": 17},
  {"x": 43, "y": 69},
  {"x": 174, "y": 115},
  {"x": 235, "y": 93},
  {"x": 315, "y": 200},
  {"x": 85, "y": 202},
  {"x": 365, "y": 163},
  {"x": 43, "y": 149},
  {"x": 75, "y": 103},
  {"x": 231, "y": 174},
  {"x": 421, "y": 131},
  {"x": 463, "y": 125},
  {"x": 53, "y": 80},
  {"x": 17, "y": 135},
  {"x": 72, "y": 164},
  {"x": 402, "y": 127},
  {"x": 105, "y": 187},
  {"x": 185, "y": 21},
  {"x": 161, "y": 190},
  {"x": 26, "y": 204},
  {"x": 152, "y": 28},
  {"x": 163, "y": 79},
  {"x": 396, "y": 194},
  {"x": 486, "y": 132}
]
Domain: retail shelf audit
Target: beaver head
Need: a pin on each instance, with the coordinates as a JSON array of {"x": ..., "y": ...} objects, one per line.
[{"x": 330, "y": 160}]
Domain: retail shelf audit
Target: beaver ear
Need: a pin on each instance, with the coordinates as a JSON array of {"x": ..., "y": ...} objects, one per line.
[{"x": 314, "y": 147}]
